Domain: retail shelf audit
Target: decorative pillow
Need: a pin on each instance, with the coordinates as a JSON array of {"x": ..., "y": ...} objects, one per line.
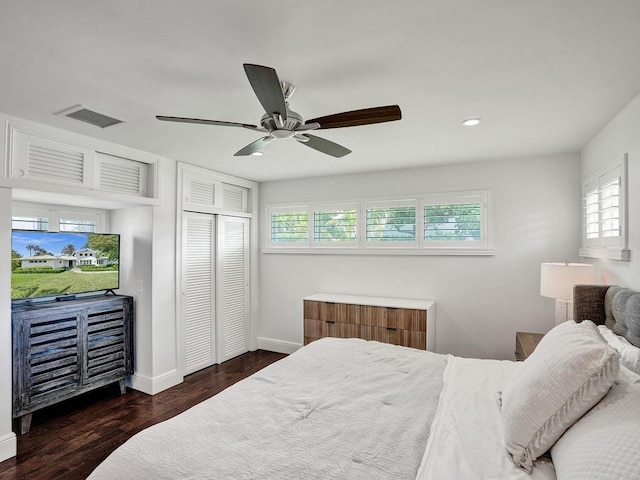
[
  {"x": 571, "y": 369},
  {"x": 603, "y": 445},
  {"x": 629, "y": 354}
]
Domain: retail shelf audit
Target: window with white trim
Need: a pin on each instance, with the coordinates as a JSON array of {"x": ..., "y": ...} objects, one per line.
[
  {"x": 335, "y": 225},
  {"x": 289, "y": 225},
  {"x": 456, "y": 223},
  {"x": 46, "y": 218},
  {"x": 604, "y": 204},
  {"x": 390, "y": 224},
  {"x": 459, "y": 220}
]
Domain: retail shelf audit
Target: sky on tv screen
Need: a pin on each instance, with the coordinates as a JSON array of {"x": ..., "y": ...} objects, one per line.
[{"x": 52, "y": 242}]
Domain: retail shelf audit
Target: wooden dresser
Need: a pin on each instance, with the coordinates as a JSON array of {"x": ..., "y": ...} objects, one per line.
[{"x": 400, "y": 321}]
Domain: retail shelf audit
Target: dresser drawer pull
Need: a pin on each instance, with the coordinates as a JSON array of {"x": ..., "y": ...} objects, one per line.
[
  {"x": 330, "y": 321},
  {"x": 391, "y": 328}
]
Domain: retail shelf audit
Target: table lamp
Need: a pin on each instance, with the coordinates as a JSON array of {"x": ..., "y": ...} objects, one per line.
[{"x": 557, "y": 281}]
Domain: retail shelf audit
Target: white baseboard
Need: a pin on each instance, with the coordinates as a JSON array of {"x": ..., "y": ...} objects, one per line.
[
  {"x": 279, "y": 346},
  {"x": 8, "y": 446},
  {"x": 154, "y": 385}
]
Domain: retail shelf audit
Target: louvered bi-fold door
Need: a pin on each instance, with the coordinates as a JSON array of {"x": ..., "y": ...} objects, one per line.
[
  {"x": 233, "y": 287},
  {"x": 198, "y": 290}
]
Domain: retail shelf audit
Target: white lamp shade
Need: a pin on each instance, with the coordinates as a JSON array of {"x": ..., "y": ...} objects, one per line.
[{"x": 557, "y": 279}]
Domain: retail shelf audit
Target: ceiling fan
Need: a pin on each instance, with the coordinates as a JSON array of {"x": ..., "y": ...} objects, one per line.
[{"x": 280, "y": 122}]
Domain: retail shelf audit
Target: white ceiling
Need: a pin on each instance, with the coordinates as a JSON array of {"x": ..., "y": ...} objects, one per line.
[{"x": 545, "y": 75}]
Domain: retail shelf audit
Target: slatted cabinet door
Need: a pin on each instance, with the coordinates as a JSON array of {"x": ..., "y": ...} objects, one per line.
[
  {"x": 109, "y": 351},
  {"x": 50, "y": 368}
]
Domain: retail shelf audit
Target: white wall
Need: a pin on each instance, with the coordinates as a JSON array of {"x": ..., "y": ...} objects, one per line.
[
  {"x": 7, "y": 437},
  {"x": 480, "y": 301},
  {"x": 621, "y": 135},
  {"x": 135, "y": 228},
  {"x": 148, "y": 259}
]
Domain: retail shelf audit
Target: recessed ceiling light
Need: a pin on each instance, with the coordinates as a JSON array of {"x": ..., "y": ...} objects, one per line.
[
  {"x": 257, "y": 154},
  {"x": 471, "y": 122}
]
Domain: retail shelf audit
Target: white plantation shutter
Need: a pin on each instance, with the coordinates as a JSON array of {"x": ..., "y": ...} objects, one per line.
[
  {"x": 122, "y": 175},
  {"x": 289, "y": 226},
  {"x": 46, "y": 160},
  {"x": 233, "y": 286},
  {"x": 201, "y": 193},
  {"x": 235, "y": 198},
  {"x": 391, "y": 224},
  {"x": 55, "y": 163},
  {"x": 604, "y": 215},
  {"x": 198, "y": 290}
]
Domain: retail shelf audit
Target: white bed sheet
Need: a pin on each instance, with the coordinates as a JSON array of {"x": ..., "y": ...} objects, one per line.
[{"x": 466, "y": 440}]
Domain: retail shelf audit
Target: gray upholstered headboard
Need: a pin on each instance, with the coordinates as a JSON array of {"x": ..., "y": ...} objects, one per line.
[{"x": 616, "y": 307}]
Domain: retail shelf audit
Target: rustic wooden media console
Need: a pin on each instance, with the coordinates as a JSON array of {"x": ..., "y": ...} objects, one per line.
[
  {"x": 406, "y": 322},
  {"x": 63, "y": 349}
]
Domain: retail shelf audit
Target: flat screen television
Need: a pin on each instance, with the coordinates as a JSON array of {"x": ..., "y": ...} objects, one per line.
[{"x": 62, "y": 264}]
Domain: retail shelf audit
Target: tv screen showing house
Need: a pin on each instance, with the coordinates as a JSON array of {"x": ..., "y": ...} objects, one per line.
[{"x": 53, "y": 264}]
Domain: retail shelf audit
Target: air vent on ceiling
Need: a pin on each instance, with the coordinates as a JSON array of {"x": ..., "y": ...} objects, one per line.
[{"x": 87, "y": 115}]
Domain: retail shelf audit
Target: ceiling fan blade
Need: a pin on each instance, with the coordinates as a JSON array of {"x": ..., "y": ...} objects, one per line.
[
  {"x": 325, "y": 146},
  {"x": 266, "y": 85},
  {"x": 207, "y": 122},
  {"x": 365, "y": 116},
  {"x": 254, "y": 147}
]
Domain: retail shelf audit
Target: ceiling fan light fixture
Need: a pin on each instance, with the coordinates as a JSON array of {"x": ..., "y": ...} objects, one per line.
[
  {"x": 257, "y": 154},
  {"x": 471, "y": 122}
]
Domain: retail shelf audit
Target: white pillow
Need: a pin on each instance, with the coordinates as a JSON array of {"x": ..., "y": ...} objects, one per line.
[
  {"x": 603, "y": 445},
  {"x": 570, "y": 370},
  {"x": 629, "y": 354}
]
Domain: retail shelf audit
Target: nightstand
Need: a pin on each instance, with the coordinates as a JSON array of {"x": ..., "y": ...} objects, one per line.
[{"x": 526, "y": 343}]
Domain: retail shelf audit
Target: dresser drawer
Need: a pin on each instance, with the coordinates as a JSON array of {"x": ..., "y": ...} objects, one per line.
[
  {"x": 402, "y": 318},
  {"x": 389, "y": 320},
  {"x": 314, "y": 329},
  {"x": 396, "y": 336}
]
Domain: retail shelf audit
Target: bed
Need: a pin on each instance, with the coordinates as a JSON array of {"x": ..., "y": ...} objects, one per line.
[{"x": 356, "y": 409}]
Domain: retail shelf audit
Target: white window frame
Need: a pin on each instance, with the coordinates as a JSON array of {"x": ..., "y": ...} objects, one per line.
[
  {"x": 361, "y": 246},
  {"x": 290, "y": 209},
  {"x": 334, "y": 243},
  {"x": 54, "y": 213},
  {"x": 600, "y": 246},
  {"x": 386, "y": 244},
  {"x": 483, "y": 197}
]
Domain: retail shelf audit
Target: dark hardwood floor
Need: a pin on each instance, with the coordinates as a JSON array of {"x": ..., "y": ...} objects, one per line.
[{"x": 69, "y": 440}]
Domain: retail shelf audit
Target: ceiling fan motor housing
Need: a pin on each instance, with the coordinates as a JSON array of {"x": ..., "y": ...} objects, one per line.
[{"x": 293, "y": 121}]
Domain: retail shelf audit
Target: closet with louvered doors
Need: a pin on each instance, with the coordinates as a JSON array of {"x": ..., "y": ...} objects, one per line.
[{"x": 214, "y": 270}]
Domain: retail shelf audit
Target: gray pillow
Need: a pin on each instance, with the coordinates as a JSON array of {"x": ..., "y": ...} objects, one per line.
[
  {"x": 626, "y": 311},
  {"x": 571, "y": 369}
]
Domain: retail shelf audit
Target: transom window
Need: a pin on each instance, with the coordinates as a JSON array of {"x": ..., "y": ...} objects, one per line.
[
  {"x": 391, "y": 224},
  {"x": 46, "y": 218},
  {"x": 335, "y": 225},
  {"x": 452, "y": 223},
  {"x": 289, "y": 226}
]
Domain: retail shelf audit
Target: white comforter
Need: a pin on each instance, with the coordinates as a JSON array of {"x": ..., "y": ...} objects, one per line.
[
  {"x": 335, "y": 409},
  {"x": 338, "y": 409}
]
